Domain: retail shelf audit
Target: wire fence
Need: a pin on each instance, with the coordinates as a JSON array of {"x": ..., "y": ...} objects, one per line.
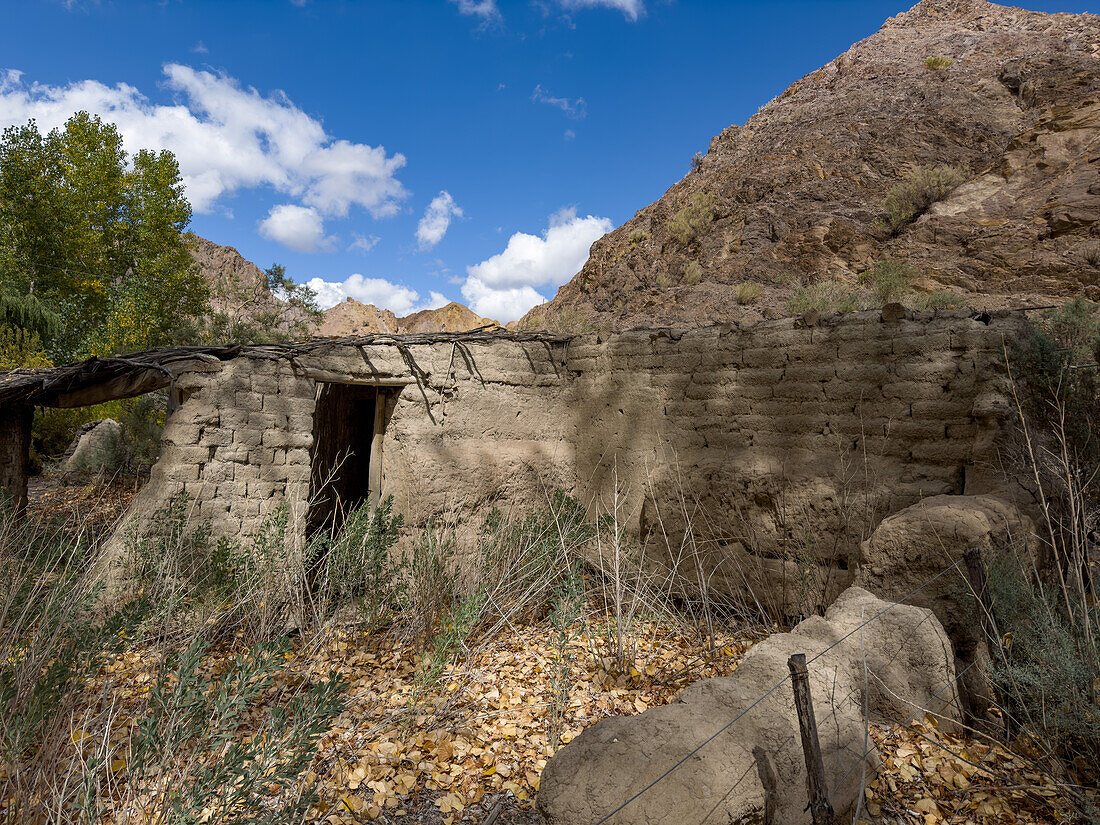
[{"x": 774, "y": 688}]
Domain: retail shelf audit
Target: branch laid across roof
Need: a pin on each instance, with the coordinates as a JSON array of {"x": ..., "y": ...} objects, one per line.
[{"x": 105, "y": 379}]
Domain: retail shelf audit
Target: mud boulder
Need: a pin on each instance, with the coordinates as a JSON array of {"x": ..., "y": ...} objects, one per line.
[
  {"x": 99, "y": 448},
  {"x": 914, "y": 546},
  {"x": 909, "y": 664}
]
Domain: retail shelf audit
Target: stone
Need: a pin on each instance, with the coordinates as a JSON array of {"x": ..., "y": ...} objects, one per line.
[
  {"x": 909, "y": 664},
  {"x": 911, "y": 547},
  {"x": 100, "y": 448}
]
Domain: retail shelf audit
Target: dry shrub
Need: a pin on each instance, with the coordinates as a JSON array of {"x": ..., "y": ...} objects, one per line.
[
  {"x": 749, "y": 293},
  {"x": 924, "y": 186},
  {"x": 937, "y": 62},
  {"x": 693, "y": 219}
]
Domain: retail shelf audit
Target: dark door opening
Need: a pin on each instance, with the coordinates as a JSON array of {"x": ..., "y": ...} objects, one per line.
[{"x": 344, "y": 424}]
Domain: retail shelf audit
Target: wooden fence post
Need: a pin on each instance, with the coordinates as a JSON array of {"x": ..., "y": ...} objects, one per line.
[{"x": 820, "y": 809}]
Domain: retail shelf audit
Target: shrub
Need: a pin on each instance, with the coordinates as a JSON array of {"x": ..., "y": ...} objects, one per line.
[
  {"x": 357, "y": 561},
  {"x": 693, "y": 219},
  {"x": 662, "y": 281},
  {"x": 936, "y": 62},
  {"x": 638, "y": 236},
  {"x": 938, "y": 300},
  {"x": 697, "y": 161},
  {"x": 693, "y": 273},
  {"x": 824, "y": 297},
  {"x": 1091, "y": 254},
  {"x": 889, "y": 279},
  {"x": 748, "y": 293},
  {"x": 924, "y": 186}
]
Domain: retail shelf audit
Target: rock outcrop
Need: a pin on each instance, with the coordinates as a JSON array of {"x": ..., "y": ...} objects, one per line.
[
  {"x": 908, "y": 663},
  {"x": 911, "y": 547},
  {"x": 795, "y": 195},
  {"x": 352, "y": 317},
  {"x": 99, "y": 447}
]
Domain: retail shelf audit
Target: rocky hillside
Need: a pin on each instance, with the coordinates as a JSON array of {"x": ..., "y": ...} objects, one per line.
[
  {"x": 997, "y": 108},
  {"x": 352, "y": 317},
  {"x": 239, "y": 290}
]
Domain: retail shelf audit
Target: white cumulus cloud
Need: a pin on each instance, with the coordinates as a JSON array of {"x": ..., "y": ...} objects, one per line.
[
  {"x": 485, "y": 9},
  {"x": 295, "y": 227},
  {"x": 437, "y": 219},
  {"x": 506, "y": 285},
  {"x": 227, "y": 137},
  {"x": 398, "y": 299},
  {"x": 631, "y": 9}
]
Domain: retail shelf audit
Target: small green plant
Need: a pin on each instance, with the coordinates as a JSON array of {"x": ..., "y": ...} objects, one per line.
[
  {"x": 357, "y": 561},
  {"x": 824, "y": 297},
  {"x": 638, "y": 236},
  {"x": 925, "y": 301},
  {"x": 568, "y": 606},
  {"x": 748, "y": 293},
  {"x": 458, "y": 622},
  {"x": 693, "y": 219},
  {"x": 663, "y": 281},
  {"x": 693, "y": 273},
  {"x": 937, "y": 62},
  {"x": 889, "y": 280},
  {"x": 924, "y": 186}
]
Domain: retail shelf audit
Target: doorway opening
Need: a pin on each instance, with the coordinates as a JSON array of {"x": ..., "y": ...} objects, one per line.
[{"x": 346, "y": 463}]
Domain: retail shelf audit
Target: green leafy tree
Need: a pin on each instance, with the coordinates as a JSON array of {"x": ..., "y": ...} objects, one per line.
[
  {"x": 263, "y": 310},
  {"x": 92, "y": 258}
]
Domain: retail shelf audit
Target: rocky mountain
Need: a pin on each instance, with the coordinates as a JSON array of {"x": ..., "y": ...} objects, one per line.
[
  {"x": 240, "y": 291},
  {"x": 351, "y": 317},
  {"x": 997, "y": 109}
]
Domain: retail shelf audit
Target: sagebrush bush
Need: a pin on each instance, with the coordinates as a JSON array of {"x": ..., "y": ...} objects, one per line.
[
  {"x": 749, "y": 293},
  {"x": 693, "y": 273},
  {"x": 924, "y": 186},
  {"x": 823, "y": 296},
  {"x": 693, "y": 218},
  {"x": 889, "y": 280},
  {"x": 937, "y": 62},
  {"x": 938, "y": 300}
]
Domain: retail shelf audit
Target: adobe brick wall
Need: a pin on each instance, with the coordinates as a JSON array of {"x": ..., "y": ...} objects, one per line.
[{"x": 775, "y": 433}]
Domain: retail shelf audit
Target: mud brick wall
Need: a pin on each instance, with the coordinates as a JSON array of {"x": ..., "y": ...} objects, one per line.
[{"x": 773, "y": 434}]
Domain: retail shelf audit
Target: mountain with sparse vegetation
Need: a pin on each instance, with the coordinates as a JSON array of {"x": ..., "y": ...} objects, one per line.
[{"x": 952, "y": 158}]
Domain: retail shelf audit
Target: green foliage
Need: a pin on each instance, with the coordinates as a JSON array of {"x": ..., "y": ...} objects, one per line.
[
  {"x": 91, "y": 255},
  {"x": 693, "y": 219},
  {"x": 924, "y": 186},
  {"x": 823, "y": 296},
  {"x": 358, "y": 562},
  {"x": 1063, "y": 392},
  {"x": 21, "y": 348},
  {"x": 936, "y": 62},
  {"x": 1049, "y": 663},
  {"x": 638, "y": 236},
  {"x": 458, "y": 622},
  {"x": 250, "y": 314},
  {"x": 889, "y": 280},
  {"x": 748, "y": 293},
  {"x": 187, "y": 754},
  {"x": 693, "y": 273},
  {"x": 937, "y": 300},
  {"x": 568, "y": 607}
]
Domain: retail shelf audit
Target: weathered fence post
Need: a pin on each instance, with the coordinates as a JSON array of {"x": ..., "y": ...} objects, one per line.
[{"x": 820, "y": 809}]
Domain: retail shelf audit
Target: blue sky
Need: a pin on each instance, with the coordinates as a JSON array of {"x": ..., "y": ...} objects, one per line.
[{"x": 416, "y": 151}]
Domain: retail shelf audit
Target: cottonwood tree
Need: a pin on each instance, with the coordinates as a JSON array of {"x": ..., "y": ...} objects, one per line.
[{"x": 92, "y": 259}]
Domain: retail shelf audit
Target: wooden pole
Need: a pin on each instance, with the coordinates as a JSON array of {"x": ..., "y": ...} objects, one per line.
[
  {"x": 15, "y": 445},
  {"x": 820, "y": 809}
]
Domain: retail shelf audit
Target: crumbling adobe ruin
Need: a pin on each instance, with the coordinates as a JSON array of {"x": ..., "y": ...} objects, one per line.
[{"x": 779, "y": 429}]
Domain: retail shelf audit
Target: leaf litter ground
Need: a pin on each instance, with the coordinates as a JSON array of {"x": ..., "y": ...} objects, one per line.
[{"x": 453, "y": 752}]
